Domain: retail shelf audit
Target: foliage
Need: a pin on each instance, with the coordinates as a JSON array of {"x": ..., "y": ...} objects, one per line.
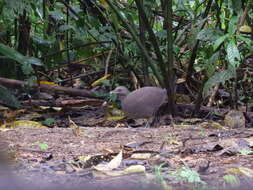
[
  {"x": 42, "y": 145},
  {"x": 49, "y": 122},
  {"x": 8, "y": 99},
  {"x": 231, "y": 179},
  {"x": 245, "y": 151},
  {"x": 210, "y": 39},
  {"x": 185, "y": 174},
  {"x": 233, "y": 56},
  {"x": 158, "y": 173},
  {"x": 25, "y": 61}
]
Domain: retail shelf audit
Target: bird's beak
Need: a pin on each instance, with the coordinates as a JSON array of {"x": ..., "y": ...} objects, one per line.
[
  {"x": 105, "y": 104},
  {"x": 113, "y": 92}
]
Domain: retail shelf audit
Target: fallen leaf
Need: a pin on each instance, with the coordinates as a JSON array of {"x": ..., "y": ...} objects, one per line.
[
  {"x": 99, "y": 81},
  {"x": 246, "y": 171},
  {"x": 26, "y": 124},
  {"x": 134, "y": 169},
  {"x": 114, "y": 163},
  {"x": 141, "y": 156}
]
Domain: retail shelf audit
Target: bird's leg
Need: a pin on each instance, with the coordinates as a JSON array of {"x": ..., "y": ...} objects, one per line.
[
  {"x": 172, "y": 121},
  {"x": 147, "y": 125},
  {"x": 131, "y": 124},
  {"x": 155, "y": 119},
  {"x": 128, "y": 126}
]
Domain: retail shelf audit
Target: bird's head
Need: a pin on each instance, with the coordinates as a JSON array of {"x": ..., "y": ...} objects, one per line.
[{"x": 121, "y": 92}]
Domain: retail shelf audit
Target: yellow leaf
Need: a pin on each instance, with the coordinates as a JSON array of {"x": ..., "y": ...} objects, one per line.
[
  {"x": 175, "y": 142},
  {"x": 134, "y": 169},
  {"x": 48, "y": 83},
  {"x": 233, "y": 171},
  {"x": 99, "y": 81},
  {"x": 246, "y": 171},
  {"x": 104, "y": 3},
  {"x": 245, "y": 29},
  {"x": 114, "y": 114},
  {"x": 129, "y": 170},
  {"x": 217, "y": 125},
  {"x": 3, "y": 128},
  {"x": 115, "y": 118},
  {"x": 26, "y": 124}
]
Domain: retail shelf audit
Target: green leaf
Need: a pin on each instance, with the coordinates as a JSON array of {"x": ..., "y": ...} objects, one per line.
[
  {"x": 43, "y": 146},
  {"x": 27, "y": 68},
  {"x": 209, "y": 34},
  {"x": 49, "y": 122},
  {"x": 15, "y": 55},
  {"x": 233, "y": 54},
  {"x": 106, "y": 82},
  {"x": 246, "y": 40},
  {"x": 11, "y": 53},
  {"x": 7, "y": 98},
  {"x": 26, "y": 62},
  {"x": 232, "y": 25},
  {"x": 219, "y": 41},
  {"x": 231, "y": 179},
  {"x": 218, "y": 77},
  {"x": 32, "y": 61},
  {"x": 57, "y": 15},
  {"x": 185, "y": 174},
  {"x": 211, "y": 64},
  {"x": 246, "y": 151}
]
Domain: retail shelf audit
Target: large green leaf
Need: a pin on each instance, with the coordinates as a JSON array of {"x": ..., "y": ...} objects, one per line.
[
  {"x": 15, "y": 55},
  {"x": 233, "y": 54},
  {"x": 211, "y": 64},
  {"x": 11, "y": 53},
  {"x": 248, "y": 41},
  {"x": 233, "y": 25},
  {"x": 219, "y": 41},
  {"x": 218, "y": 77}
]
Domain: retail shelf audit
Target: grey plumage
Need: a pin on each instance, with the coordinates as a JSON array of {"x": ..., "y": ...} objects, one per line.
[{"x": 141, "y": 103}]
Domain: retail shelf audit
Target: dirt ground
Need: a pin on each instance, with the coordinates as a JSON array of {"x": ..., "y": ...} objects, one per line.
[
  {"x": 52, "y": 156},
  {"x": 185, "y": 148}
]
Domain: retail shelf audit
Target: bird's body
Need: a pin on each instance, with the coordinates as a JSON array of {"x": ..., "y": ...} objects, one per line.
[{"x": 141, "y": 103}]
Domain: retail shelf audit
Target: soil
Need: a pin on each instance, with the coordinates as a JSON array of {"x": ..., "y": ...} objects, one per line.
[{"x": 51, "y": 158}]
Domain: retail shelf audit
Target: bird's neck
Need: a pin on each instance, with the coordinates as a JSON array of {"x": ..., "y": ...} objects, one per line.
[{"x": 121, "y": 97}]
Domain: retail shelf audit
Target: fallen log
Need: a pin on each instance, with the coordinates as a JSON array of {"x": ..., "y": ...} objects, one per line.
[{"x": 11, "y": 83}]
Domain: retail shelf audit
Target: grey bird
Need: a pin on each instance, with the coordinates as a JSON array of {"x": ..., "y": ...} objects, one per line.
[{"x": 142, "y": 103}]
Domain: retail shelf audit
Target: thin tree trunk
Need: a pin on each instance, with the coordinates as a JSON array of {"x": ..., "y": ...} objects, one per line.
[
  {"x": 144, "y": 60},
  {"x": 168, "y": 18}
]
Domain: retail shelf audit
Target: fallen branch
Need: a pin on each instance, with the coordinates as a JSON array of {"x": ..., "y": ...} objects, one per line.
[{"x": 11, "y": 83}]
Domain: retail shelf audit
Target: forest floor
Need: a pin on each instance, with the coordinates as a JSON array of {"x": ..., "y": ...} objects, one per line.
[{"x": 202, "y": 155}]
